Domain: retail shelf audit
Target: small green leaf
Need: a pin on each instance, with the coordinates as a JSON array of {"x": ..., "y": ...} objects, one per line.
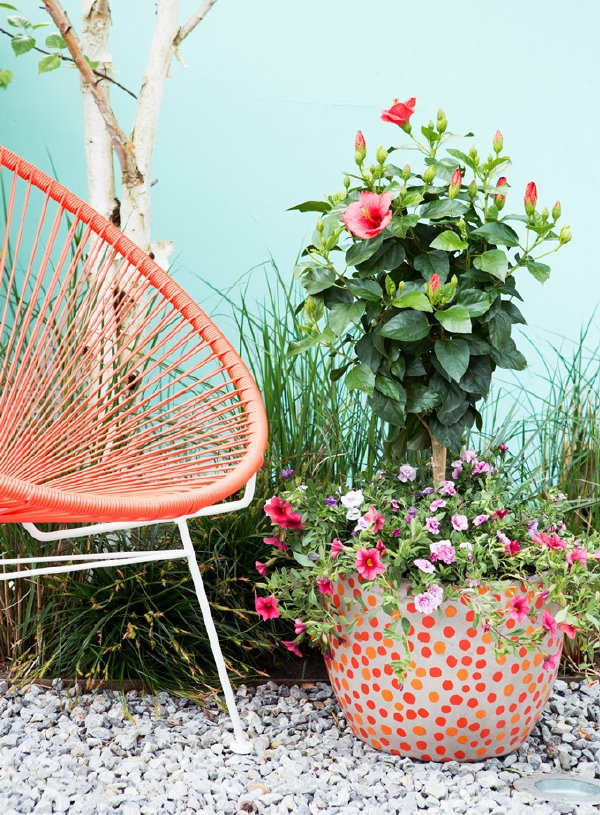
[
  {"x": 366, "y": 289},
  {"x": 363, "y": 250},
  {"x": 400, "y": 225},
  {"x": 476, "y": 301},
  {"x": 455, "y": 319},
  {"x": 55, "y": 41},
  {"x": 448, "y": 241},
  {"x": 360, "y": 378},
  {"x": 301, "y": 346},
  {"x": 453, "y": 356},
  {"x": 344, "y": 314},
  {"x": 303, "y": 560},
  {"x": 49, "y": 63},
  {"x": 17, "y": 21},
  {"x": 444, "y": 208},
  {"x": 413, "y": 299},
  {"x": 493, "y": 262},
  {"x": 430, "y": 263},
  {"x": 391, "y": 388},
  {"x": 540, "y": 271},
  {"x": 408, "y": 326},
  {"x": 311, "y": 206},
  {"x": 497, "y": 233},
  {"x": 5, "y": 78},
  {"x": 22, "y": 43},
  {"x": 7, "y": 5}
]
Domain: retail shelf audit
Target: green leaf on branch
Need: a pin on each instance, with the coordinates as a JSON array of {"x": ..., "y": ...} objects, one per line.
[
  {"x": 311, "y": 206},
  {"x": 497, "y": 233},
  {"x": 367, "y": 352},
  {"x": 317, "y": 279},
  {"x": 303, "y": 560},
  {"x": 462, "y": 157},
  {"x": 540, "y": 271},
  {"x": 363, "y": 250},
  {"x": 448, "y": 241},
  {"x": 430, "y": 263},
  {"x": 366, "y": 289},
  {"x": 55, "y": 41},
  {"x": 390, "y": 388},
  {"x": 444, "y": 208},
  {"x": 420, "y": 399},
  {"x": 478, "y": 376},
  {"x": 400, "y": 225},
  {"x": 509, "y": 356},
  {"x": 453, "y": 356},
  {"x": 22, "y": 43},
  {"x": 455, "y": 319},
  {"x": 5, "y": 78},
  {"x": 49, "y": 63},
  {"x": 513, "y": 312},
  {"x": 390, "y": 410},
  {"x": 8, "y": 6},
  {"x": 360, "y": 378},
  {"x": 408, "y": 326},
  {"x": 499, "y": 328},
  {"x": 17, "y": 21},
  {"x": 413, "y": 299},
  {"x": 345, "y": 314},
  {"x": 494, "y": 262},
  {"x": 476, "y": 301}
]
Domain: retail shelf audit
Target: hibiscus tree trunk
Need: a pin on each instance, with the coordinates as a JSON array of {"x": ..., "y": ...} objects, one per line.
[{"x": 438, "y": 460}]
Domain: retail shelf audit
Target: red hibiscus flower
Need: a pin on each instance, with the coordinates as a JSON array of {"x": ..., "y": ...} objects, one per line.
[
  {"x": 369, "y": 216},
  {"x": 499, "y": 199},
  {"x": 400, "y": 112}
]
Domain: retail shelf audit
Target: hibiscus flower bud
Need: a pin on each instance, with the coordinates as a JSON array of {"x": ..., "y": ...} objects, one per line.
[
  {"x": 455, "y": 182},
  {"x": 498, "y": 142},
  {"x": 434, "y": 282},
  {"x": 406, "y": 172},
  {"x": 530, "y": 198},
  {"x": 556, "y": 210},
  {"x": 500, "y": 199},
  {"x": 472, "y": 190},
  {"x": 381, "y": 155},
  {"x": 360, "y": 147},
  {"x": 564, "y": 235},
  {"x": 429, "y": 174},
  {"x": 473, "y": 154},
  {"x": 347, "y": 181},
  {"x": 442, "y": 122}
]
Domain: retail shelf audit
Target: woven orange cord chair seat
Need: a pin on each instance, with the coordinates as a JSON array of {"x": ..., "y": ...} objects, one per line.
[{"x": 120, "y": 400}]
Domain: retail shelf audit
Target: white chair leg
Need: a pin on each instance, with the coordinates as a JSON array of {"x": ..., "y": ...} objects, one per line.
[{"x": 240, "y": 744}]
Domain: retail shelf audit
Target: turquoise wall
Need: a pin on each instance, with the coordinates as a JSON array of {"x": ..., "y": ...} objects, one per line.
[{"x": 265, "y": 114}]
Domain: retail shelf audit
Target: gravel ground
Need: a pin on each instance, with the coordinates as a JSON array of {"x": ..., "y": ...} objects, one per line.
[{"x": 95, "y": 754}]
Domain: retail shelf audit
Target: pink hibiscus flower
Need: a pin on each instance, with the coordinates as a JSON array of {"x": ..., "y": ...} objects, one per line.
[
  {"x": 375, "y": 521},
  {"x": 368, "y": 563},
  {"x": 292, "y": 646},
  {"x": 519, "y": 607},
  {"x": 266, "y": 607},
  {"x": 549, "y": 623},
  {"x": 282, "y": 514},
  {"x": 337, "y": 547},
  {"x": 369, "y": 216},
  {"x": 324, "y": 585},
  {"x": 261, "y": 568},
  {"x": 400, "y": 112},
  {"x": 551, "y": 661}
]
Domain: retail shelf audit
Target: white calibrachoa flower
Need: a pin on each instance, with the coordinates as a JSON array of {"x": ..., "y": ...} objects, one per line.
[{"x": 352, "y": 500}]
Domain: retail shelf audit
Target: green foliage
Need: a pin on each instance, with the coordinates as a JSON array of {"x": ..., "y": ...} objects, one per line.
[{"x": 420, "y": 291}]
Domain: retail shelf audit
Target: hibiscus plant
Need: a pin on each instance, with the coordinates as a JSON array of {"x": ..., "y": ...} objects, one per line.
[
  {"x": 395, "y": 529},
  {"x": 411, "y": 278}
]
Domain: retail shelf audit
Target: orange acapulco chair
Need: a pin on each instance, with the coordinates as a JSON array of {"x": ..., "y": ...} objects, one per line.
[{"x": 121, "y": 403}]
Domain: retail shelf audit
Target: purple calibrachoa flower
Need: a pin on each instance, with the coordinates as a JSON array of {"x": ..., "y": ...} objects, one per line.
[
  {"x": 444, "y": 551},
  {"x": 330, "y": 501},
  {"x": 503, "y": 538},
  {"x": 447, "y": 488},
  {"x": 352, "y": 501},
  {"x": 480, "y": 519},
  {"x": 288, "y": 473},
  {"x": 395, "y": 505},
  {"x": 412, "y": 511},
  {"x": 532, "y": 528},
  {"x": 425, "y": 492},
  {"x": 424, "y": 565},
  {"x": 407, "y": 473},
  {"x": 433, "y": 525},
  {"x": 456, "y": 472},
  {"x": 459, "y": 522},
  {"x": 439, "y": 503}
]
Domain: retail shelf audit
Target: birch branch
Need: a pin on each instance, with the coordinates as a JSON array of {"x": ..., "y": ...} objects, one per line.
[
  {"x": 122, "y": 145},
  {"x": 193, "y": 21}
]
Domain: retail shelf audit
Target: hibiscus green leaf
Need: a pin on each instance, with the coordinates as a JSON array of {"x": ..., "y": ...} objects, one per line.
[
  {"x": 413, "y": 299},
  {"x": 499, "y": 327},
  {"x": 401, "y": 224},
  {"x": 22, "y": 43},
  {"x": 17, "y": 21},
  {"x": 494, "y": 262},
  {"x": 363, "y": 250},
  {"x": 462, "y": 157},
  {"x": 444, "y": 208},
  {"x": 478, "y": 376},
  {"x": 476, "y": 301},
  {"x": 513, "y": 312},
  {"x": 301, "y": 345},
  {"x": 420, "y": 398},
  {"x": 344, "y": 314},
  {"x": 390, "y": 410},
  {"x": 448, "y": 241},
  {"x": 455, "y": 319},
  {"x": 407, "y": 326},
  {"x": 391, "y": 388},
  {"x": 311, "y": 206},
  {"x": 509, "y": 356},
  {"x": 366, "y": 289},
  {"x": 367, "y": 351},
  {"x": 540, "y": 271},
  {"x": 497, "y": 233},
  {"x": 317, "y": 279},
  {"x": 398, "y": 368},
  {"x": 453, "y": 356},
  {"x": 360, "y": 378},
  {"x": 411, "y": 198},
  {"x": 430, "y": 263}
]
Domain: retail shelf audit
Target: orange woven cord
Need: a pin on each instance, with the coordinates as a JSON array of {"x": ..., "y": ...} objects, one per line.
[{"x": 120, "y": 400}]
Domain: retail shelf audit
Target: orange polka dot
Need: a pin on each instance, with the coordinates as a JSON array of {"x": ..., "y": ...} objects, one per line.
[
  {"x": 508, "y": 690},
  {"x": 416, "y": 684},
  {"x": 366, "y": 673},
  {"x": 386, "y": 729},
  {"x": 420, "y": 671},
  {"x": 370, "y": 652},
  {"x": 387, "y": 695},
  {"x": 439, "y": 647},
  {"x": 450, "y": 611},
  {"x": 371, "y": 600},
  {"x": 433, "y": 696},
  {"x": 419, "y": 731},
  {"x": 462, "y": 674}
]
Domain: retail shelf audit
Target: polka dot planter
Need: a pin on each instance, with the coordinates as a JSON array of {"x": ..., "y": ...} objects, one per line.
[{"x": 459, "y": 702}]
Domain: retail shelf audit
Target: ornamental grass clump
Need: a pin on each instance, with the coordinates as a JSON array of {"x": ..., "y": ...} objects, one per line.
[
  {"x": 463, "y": 539},
  {"x": 411, "y": 279}
]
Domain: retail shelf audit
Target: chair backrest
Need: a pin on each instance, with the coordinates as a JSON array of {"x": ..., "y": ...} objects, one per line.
[{"x": 119, "y": 398}]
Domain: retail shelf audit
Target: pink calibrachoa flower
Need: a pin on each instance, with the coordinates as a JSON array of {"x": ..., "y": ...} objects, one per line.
[
  {"x": 324, "y": 585},
  {"x": 368, "y": 563},
  {"x": 266, "y": 607},
  {"x": 369, "y": 216},
  {"x": 456, "y": 471},
  {"x": 381, "y": 547},
  {"x": 439, "y": 503},
  {"x": 512, "y": 547},
  {"x": 482, "y": 467},
  {"x": 447, "y": 488},
  {"x": 375, "y": 521},
  {"x": 400, "y": 112},
  {"x": 282, "y": 514},
  {"x": 519, "y": 607},
  {"x": 468, "y": 456},
  {"x": 336, "y": 547},
  {"x": 460, "y": 522},
  {"x": 261, "y": 568},
  {"x": 504, "y": 539},
  {"x": 433, "y": 525},
  {"x": 577, "y": 555},
  {"x": 299, "y": 627},
  {"x": 568, "y": 629},
  {"x": 277, "y": 543},
  {"x": 444, "y": 551},
  {"x": 480, "y": 519},
  {"x": 551, "y": 541},
  {"x": 397, "y": 533},
  {"x": 551, "y": 661},
  {"x": 424, "y": 565},
  {"x": 292, "y": 646},
  {"x": 549, "y": 623},
  {"x": 530, "y": 197},
  {"x": 429, "y": 600},
  {"x": 407, "y": 473},
  {"x": 437, "y": 593}
]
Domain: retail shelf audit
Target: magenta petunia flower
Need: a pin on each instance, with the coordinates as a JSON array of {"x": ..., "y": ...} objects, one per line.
[
  {"x": 282, "y": 514},
  {"x": 499, "y": 514},
  {"x": 481, "y": 467},
  {"x": 551, "y": 661},
  {"x": 433, "y": 525},
  {"x": 519, "y": 607},
  {"x": 549, "y": 623},
  {"x": 447, "y": 488},
  {"x": 292, "y": 646},
  {"x": 480, "y": 519},
  {"x": 424, "y": 565},
  {"x": 459, "y": 522},
  {"x": 261, "y": 568},
  {"x": 512, "y": 547},
  {"x": 277, "y": 543},
  {"x": 266, "y": 607},
  {"x": 567, "y": 629},
  {"x": 444, "y": 551},
  {"x": 381, "y": 547},
  {"x": 368, "y": 563},
  {"x": 369, "y": 216},
  {"x": 324, "y": 585},
  {"x": 577, "y": 555},
  {"x": 551, "y": 541},
  {"x": 299, "y": 627},
  {"x": 336, "y": 547}
]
